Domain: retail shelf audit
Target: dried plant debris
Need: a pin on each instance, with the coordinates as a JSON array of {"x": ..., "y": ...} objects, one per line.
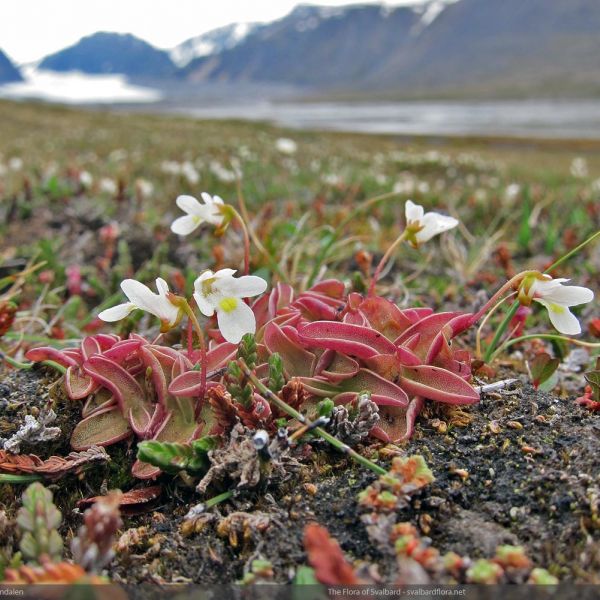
[
  {"x": 92, "y": 547},
  {"x": 354, "y": 429},
  {"x": 35, "y": 430},
  {"x": 249, "y": 458},
  {"x": 52, "y": 468}
]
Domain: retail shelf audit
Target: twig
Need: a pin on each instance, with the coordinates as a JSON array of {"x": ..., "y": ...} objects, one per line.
[
  {"x": 277, "y": 401},
  {"x": 494, "y": 387}
]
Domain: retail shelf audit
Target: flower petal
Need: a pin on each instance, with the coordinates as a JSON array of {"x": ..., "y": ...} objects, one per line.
[
  {"x": 225, "y": 273},
  {"x": 185, "y": 225},
  {"x": 234, "y": 324},
  {"x": 434, "y": 224},
  {"x": 569, "y": 295},
  {"x": 116, "y": 313},
  {"x": 143, "y": 297},
  {"x": 162, "y": 286},
  {"x": 190, "y": 205},
  {"x": 242, "y": 287},
  {"x": 139, "y": 294},
  {"x": 206, "y": 308},
  {"x": 561, "y": 317},
  {"x": 412, "y": 211}
]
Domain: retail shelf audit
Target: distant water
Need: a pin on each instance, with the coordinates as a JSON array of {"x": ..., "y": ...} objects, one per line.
[
  {"x": 77, "y": 88},
  {"x": 525, "y": 118}
]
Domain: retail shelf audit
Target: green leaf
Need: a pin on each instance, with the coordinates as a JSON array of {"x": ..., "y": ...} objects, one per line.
[
  {"x": 305, "y": 576},
  {"x": 542, "y": 367},
  {"x": 593, "y": 378}
]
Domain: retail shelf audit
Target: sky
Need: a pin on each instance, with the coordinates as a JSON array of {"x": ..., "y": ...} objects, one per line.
[{"x": 32, "y": 29}]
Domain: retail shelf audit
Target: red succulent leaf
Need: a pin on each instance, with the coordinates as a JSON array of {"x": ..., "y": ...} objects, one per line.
[
  {"x": 357, "y": 341},
  {"x": 385, "y": 317},
  {"x": 79, "y": 385},
  {"x": 438, "y": 384},
  {"x": 101, "y": 399},
  {"x": 429, "y": 328},
  {"x": 90, "y": 346},
  {"x": 186, "y": 384},
  {"x": 285, "y": 340},
  {"x": 49, "y": 353},
  {"x": 120, "y": 351},
  {"x": 104, "y": 427},
  {"x": 457, "y": 361},
  {"x": 136, "y": 408},
  {"x": 333, "y": 288},
  {"x": 220, "y": 356},
  {"x": 280, "y": 297},
  {"x": 339, "y": 368},
  {"x": 383, "y": 392},
  {"x": 315, "y": 309},
  {"x": 397, "y": 423},
  {"x": 106, "y": 340}
]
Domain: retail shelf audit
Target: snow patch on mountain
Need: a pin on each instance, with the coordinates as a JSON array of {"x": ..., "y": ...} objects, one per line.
[{"x": 211, "y": 42}]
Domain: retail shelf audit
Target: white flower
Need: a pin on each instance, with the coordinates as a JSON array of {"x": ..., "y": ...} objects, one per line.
[
  {"x": 286, "y": 146},
  {"x": 220, "y": 292},
  {"x": 86, "y": 179},
  {"x": 142, "y": 297},
  {"x": 423, "y": 226},
  {"x": 557, "y": 298},
  {"x": 189, "y": 172},
  {"x": 197, "y": 213},
  {"x": 108, "y": 186}
]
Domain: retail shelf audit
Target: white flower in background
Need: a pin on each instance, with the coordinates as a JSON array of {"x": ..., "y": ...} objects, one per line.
[
  {"x": 579, "y": 167},
  {"x": 558, "y": 298},
  {"x": 512, "y": 191},
  {"x": 15, "y": 163},
  {"x": 286, "y": 146},
  {"x": 188, "y": 170},
  {"x": 144, "y": 187},
  {"x": 86, "y": 179},
  {"x": 142, "y": 297},
  {"x": 197, "y": 213},
  {"x": 223, "y": 174},
  {"x": 171, "y": 167},
  {"x": 222, "y": 293},
  {"x": 108, "y": 186},
  {"x": 423, "y": 226}
]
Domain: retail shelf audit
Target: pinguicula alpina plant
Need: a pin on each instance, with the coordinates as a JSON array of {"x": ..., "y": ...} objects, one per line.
[{"x": 280, "y": 353}]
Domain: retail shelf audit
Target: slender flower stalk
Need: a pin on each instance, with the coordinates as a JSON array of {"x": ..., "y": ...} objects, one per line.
[
  {"x": 420, "y": 228},
  {"x": 493, "y": 350},
  {"x": 187, "y": 309},
  {"x": 383, "y": 262},
  {"x": 277, "y": 401},
  {"x": 544, "y": 336}
]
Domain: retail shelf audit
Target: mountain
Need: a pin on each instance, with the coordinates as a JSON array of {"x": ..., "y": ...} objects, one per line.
[
  {"x": 507, "y": 45},
  {"x": 212, "y": 42},
  {"x": 106, "y": 52},
  {"x": 8, "y": 72},
  {"x": 314, "y": 46},
  {"x": 457, "y": 47}
]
